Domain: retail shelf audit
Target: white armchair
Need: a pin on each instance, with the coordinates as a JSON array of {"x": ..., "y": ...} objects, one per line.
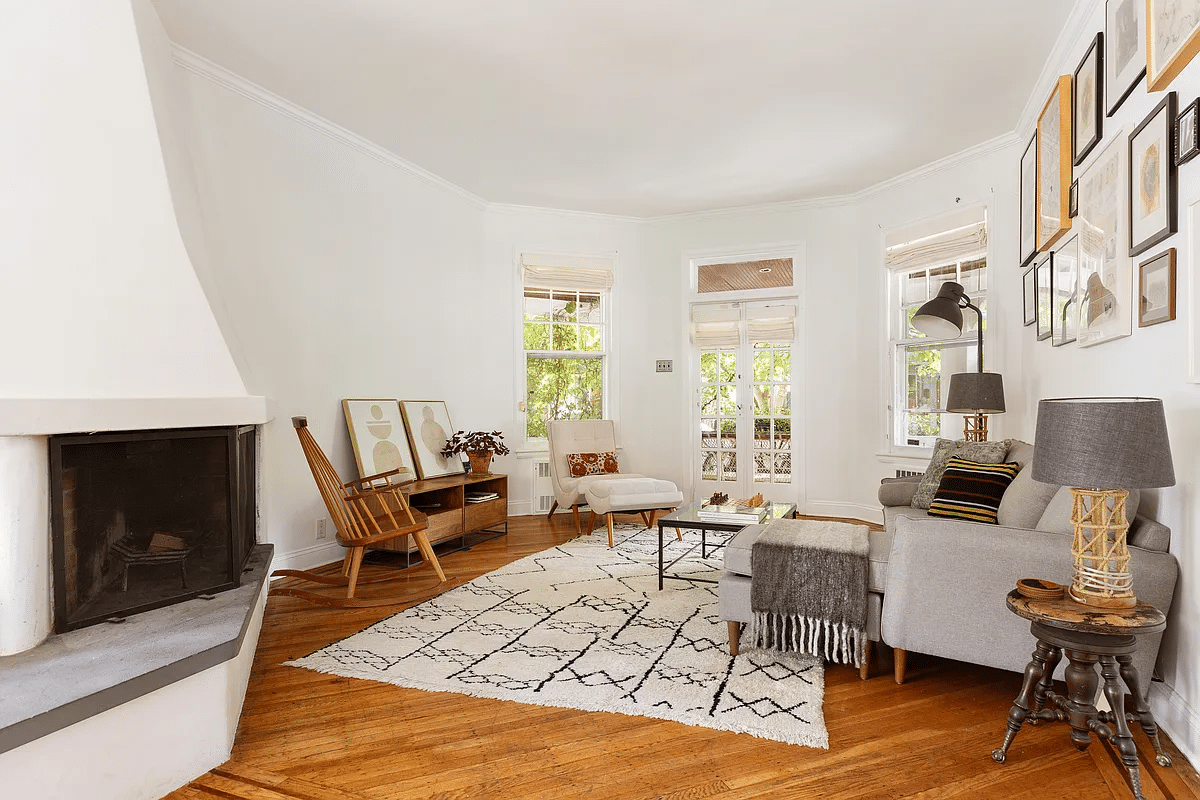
[{"x": 578, "y": 436}]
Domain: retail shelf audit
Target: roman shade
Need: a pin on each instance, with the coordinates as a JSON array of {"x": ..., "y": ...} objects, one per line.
[
  {"x": 942, "y": 248},
  {"x": 715, "y": 326},
  {"x": 772, "y": 324},
  {"x": 566, "y": 273}
]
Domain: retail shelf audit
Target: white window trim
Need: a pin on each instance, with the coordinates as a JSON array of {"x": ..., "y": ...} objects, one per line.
[
  {"x": 530, "y": 448},
  {"x": 888, "y": 384}
]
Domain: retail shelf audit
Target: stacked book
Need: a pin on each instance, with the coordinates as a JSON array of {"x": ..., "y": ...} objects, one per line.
[
  {"x": 734, "y": 511},
  {"x": 481, "y": 497}
]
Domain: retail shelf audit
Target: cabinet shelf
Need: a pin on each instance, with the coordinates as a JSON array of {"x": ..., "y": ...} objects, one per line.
[{"x": 453, "y": 523}]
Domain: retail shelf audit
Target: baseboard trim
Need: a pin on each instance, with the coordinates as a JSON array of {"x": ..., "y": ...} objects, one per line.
[
  {"x": 1177, "y": 718},
  {"x": 309, "y": 557},
  {"x": 818, "y": 508}
]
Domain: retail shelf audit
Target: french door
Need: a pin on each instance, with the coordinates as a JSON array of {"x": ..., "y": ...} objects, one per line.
[{"x": 743, "y": 399}]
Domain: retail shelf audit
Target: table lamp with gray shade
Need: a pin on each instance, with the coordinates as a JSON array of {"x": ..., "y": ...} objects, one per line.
[
  {"x": 974, "y": 394},
  {"x": 1101, "y": 447}
]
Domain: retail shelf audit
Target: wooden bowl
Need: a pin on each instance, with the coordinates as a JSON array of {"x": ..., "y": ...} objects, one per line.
[{"x": 1038, "y": 589}]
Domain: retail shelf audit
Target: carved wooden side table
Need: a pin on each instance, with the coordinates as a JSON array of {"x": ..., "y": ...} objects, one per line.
[{"x": 1088, "y": 635}]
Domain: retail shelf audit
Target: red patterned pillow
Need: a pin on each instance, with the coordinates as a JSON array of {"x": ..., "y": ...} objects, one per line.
[{"x": 592, "y": 463}]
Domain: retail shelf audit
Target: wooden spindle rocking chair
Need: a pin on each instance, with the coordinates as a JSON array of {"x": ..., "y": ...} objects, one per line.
[{"x": 365, "y": 512}]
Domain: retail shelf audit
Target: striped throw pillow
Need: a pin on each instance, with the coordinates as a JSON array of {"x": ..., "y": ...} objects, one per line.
[{"x": 972, "y": 491}]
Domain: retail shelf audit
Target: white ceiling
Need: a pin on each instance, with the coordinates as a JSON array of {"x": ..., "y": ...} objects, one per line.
[{"x": 643, "y": 107}]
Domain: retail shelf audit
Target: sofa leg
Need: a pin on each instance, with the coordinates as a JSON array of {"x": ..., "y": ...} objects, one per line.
[
  {"x": 864, "y": 667},
  {"x": 735, "y": 635},
  {"x": 901, "y": 662}
]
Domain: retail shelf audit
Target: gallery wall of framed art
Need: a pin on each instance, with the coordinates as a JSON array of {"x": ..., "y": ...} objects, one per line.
[{"x": 1104, "y": 205}]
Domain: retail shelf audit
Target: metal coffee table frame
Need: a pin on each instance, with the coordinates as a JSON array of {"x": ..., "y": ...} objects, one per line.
[{"x": 688, "y": 517}]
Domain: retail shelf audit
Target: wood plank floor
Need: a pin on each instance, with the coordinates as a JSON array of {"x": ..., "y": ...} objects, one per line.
[{"x": 304, "y": 735}]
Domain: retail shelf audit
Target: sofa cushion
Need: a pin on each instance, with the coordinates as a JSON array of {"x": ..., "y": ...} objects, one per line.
[
  {"x": 1025, "y": 499},
  {"x": 582, "y": 464},
  {"x": 1057, "y": 516},
  {"x": 943, "y": 449},
  {"x": 972, "y": 491}
]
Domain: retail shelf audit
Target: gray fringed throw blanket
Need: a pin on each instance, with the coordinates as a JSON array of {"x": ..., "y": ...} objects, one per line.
[{"x": 808, "y": 589}]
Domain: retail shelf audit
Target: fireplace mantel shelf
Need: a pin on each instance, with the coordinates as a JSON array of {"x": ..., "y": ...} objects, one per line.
[
  {"x": 46, "y": 416},
  {"x": 82, "y": 673}
]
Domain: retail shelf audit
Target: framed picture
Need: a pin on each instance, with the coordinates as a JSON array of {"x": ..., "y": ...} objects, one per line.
[
  {"x": 1152, "y": 212},
  {"x": 1073, "y": 206},
  {"x": 1054, "y": 165},
  {"x": 1087, "y": 113},
  {"x": 1172, "y": 39},
  {"x": 1029, "y": 294},
  {"x": 1156, "y": 289},
  {"x": 428, "y": 425},
  {"x": 1045, "y": 285},
  {"x": 1064, "y": 322},
  {"x": 1186, "y": 132},
  {"x": 1029, "y": 201},
  {"x": 1105, "y": 271},
  {"x": 377, "y": 436},
  {"x": 1124, "y": 49}
]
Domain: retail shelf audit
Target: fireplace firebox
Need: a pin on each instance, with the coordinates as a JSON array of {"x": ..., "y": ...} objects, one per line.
[{"x": 144, "y": 519}]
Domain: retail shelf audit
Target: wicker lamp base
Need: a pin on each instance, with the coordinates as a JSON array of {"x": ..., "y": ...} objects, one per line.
[
  {"x": 1101, "y": 573},
  {"x": 975, "y": 428}
]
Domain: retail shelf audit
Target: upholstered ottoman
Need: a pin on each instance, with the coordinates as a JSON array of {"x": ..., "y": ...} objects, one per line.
[
  {"x": 631, "y": 496},
  {"x": 734, "y": 591}
]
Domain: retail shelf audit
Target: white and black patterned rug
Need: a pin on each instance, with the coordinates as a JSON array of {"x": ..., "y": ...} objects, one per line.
[{"x": 582, "y": 626}]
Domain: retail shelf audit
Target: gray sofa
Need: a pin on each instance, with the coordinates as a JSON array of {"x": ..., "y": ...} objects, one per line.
[{"x": 943, "y": 581}]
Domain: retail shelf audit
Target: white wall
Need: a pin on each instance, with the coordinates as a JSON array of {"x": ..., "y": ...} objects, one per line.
[
  {"x": 343, "y": 274},
  {"x": 101, "y": 298}
]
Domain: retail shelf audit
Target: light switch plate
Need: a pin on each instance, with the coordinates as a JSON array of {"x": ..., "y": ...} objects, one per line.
[{"x": 662, "y": 365}]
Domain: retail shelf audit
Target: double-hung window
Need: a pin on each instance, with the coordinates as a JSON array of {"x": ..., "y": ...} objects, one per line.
[
  {"x": 922, "y": 366},
  {"x": 565, "y": 337}
]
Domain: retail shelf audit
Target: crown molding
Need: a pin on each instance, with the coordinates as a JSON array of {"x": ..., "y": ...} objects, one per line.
[
  {"x": 973, "y": 153},
  {"x": 198, "y": 65},
  {"x": 1059, "y": 62},
  {"x": 599, "y": 216}
]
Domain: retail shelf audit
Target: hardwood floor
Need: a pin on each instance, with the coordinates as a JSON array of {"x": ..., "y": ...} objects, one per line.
[{"x": 308, "y": 736}]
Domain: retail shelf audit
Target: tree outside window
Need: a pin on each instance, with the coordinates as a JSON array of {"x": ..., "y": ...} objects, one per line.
[{"x": 564, "y": 357}]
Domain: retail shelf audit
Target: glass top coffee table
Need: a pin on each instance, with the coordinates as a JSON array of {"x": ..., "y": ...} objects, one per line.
[{"x": 689, "y": 517}]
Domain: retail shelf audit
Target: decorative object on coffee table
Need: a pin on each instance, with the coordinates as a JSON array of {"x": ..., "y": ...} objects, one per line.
[
  {"x": 479, "y": 446},
  {"x": 1107, "y": 445},
  {"x": 1086, "y": 636},
  {"x": 974, "y": 394}
]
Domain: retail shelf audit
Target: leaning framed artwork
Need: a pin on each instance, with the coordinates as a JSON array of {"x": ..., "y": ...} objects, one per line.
[
  {"x": 1045, "y": 288},
  {"x": 1124, "y": 49},
  {"x": 1187, "y": 133},
  {"x": 1156, "y": 289},
  {"x": 1172, "y": 39},
  {"x": 1105, "y": 270},
  {"x": 1029, "y": 201},
  {"x": 1087, "y": 110},
  {"x": 429, "y": 428},
  {"x": 1054, "y": 165},
  {"x": 1152, "y": 211},
  {"x": 1029, "y": 294},
  {"x": 1064, "y": 320},
  {"x": 377, "y": 436}
]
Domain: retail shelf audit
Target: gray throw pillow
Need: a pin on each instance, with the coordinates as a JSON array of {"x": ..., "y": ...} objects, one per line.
[{"x": 943, "y": 449}]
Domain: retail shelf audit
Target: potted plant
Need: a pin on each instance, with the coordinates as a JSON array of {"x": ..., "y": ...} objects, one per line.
[{"x": 479, "y": 446}]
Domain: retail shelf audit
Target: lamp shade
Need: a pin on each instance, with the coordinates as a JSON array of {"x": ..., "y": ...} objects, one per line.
[
  {"x": 1103, "y": 442},
  {"x": 941, "y": 317},
  {"x": 976, "y": 393}
]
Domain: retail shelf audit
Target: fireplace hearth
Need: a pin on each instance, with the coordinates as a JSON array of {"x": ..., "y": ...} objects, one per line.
[{"x": 144, "y": 519}]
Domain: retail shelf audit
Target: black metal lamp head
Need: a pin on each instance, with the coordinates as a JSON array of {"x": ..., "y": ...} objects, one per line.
[{"x": 941, "y": 317}]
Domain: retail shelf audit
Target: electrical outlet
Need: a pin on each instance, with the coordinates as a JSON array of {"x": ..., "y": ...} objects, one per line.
[
  {"x": 662, "y": 365},
  {"x": 320, "y": 528}
]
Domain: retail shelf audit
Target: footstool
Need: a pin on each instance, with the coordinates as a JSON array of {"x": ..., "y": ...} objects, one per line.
[
  {"x": 734, "y": 590},
  {"x": 631, "y": 496}
]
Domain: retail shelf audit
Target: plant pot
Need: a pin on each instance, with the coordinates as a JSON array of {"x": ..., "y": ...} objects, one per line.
[{"x": 481, "y": 462}]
